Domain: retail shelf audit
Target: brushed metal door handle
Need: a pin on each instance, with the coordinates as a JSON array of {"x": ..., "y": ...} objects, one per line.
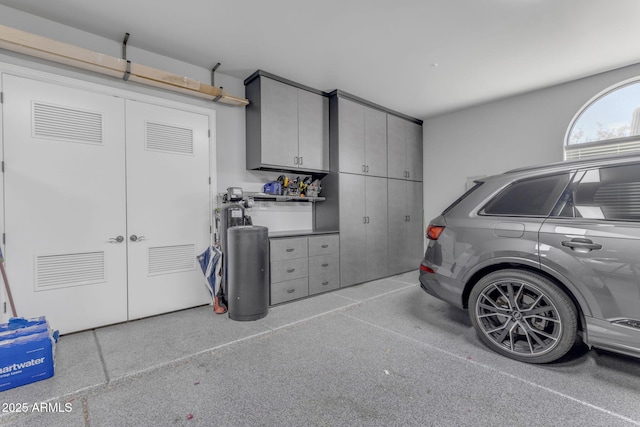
[
  {"x": 290, "y": 270},
  {"x": 579, "y": 243}
]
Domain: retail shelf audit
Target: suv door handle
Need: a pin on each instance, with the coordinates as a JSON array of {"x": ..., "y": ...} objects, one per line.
[{"x": 580, "y": 243}]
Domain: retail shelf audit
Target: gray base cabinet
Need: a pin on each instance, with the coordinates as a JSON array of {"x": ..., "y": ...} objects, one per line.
[
  {"x": 303, "y": 266},
  {"x": 406, "y": 225}
]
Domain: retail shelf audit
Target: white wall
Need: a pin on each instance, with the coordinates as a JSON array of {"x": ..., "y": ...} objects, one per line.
[
  {"x": 230, "y": 121},
  {"x": 491, "y": 138}
]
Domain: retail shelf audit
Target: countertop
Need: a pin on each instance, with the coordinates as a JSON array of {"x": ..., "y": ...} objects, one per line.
[{"x": 294, "y": 233}]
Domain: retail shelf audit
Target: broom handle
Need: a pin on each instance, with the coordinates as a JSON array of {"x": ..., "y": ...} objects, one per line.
[{"x": 6, "y": 285}]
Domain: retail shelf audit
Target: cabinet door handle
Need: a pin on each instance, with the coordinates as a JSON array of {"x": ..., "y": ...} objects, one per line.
[
  {"x": 364, "y": 219},
  {"x": 325, "y": 246},
  {"x": 301, "y": 161},
  {"x": 366, "y": 168},
  {"x": 290, "y": 270},
  {"x": 363, "y": 168},
  {"x": 290, "y": 291},
  {"x": 368, "y": 220},
  {"x": 290, "y": 249},
  {"x": 408, "y": 218},
  {"x": 295, "y": 160},
  {"x": 325, "y": 283},
  {"x": 326, "y": 264}
]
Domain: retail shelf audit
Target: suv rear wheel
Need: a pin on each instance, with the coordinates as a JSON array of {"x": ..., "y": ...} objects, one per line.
[{"x": 523, "y": 315}]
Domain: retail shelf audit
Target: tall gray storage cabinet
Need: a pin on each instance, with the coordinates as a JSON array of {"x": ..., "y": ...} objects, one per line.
[
  {"x": 374, "y": 190},
  {"x": 287, "y": 125}
]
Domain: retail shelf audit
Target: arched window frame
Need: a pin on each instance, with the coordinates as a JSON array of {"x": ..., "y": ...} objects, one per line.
[{"x": 603, "y": 147}]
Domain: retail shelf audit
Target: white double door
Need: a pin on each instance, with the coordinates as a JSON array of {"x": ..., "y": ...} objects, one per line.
[{"x": 107, "y": 203}]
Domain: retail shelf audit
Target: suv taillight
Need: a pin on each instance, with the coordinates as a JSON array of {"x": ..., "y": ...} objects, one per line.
[{"x": 434, "y": 231}]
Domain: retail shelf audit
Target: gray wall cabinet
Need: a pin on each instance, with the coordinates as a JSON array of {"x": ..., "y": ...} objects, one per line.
[
  {"x": 287, "y": 125},
  {"x": 363, "y": 228},
  {"x": 406, "y": 225},
  {"x": 404, "y": 148},
  {"x": 362, "y": 146}
]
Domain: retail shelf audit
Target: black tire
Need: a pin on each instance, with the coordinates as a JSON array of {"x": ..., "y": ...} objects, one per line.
[{"x": 523, "y": 316}]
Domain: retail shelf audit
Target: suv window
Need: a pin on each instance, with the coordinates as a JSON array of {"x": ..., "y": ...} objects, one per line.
[
  {"x": 605, "y": 193},
  {"x": 476, "y": 184},
  {"x": 531, "y": 197}
]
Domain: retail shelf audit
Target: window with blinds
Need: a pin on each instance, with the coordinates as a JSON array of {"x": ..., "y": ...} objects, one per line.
[{"x": 608, "y": 124}]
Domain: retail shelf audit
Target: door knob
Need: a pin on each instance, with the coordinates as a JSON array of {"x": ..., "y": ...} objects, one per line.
[
  {"x": 118, "y": 239},
  {"x": 135, "y": 238}
]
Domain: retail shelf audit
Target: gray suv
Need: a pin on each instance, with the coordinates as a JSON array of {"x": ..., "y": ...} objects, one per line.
[{"x": 543, "y": 255}]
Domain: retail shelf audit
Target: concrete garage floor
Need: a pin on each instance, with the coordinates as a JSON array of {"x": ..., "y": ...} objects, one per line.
[{"x": 379, "y": 354}]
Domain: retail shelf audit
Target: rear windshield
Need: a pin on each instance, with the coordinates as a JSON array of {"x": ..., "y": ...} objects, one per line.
[
  {"x": 476, "y": 184},
  {"x": 530, "y": 197}
]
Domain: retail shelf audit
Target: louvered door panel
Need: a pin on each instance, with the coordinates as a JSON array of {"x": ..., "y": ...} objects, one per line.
[
  {"x": 168, "y": 204},
  {"x": 64, "y": 199}
]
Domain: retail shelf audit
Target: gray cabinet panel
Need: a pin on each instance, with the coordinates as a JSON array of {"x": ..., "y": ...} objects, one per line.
[
  {"x": 375, "y": 142},
  {"x": 376, "y": 227},
  {"x": 404, "y": 149},
  {"x": 414, "y": 151},
  {"x": 416, "y": 228},
  {"x": 322, "y": 245},
  {"x": 287, "y": 291},
  {"x": 279, "y": 108},
  {"x": 397, "y": 225},
  {"x": 324, "y": 283},
  {"x": 396, "y": 148},
  {"x": 353, "y": 262},
  {"x": 323, "y": 264},
  {"x": 289, "y": 269},
  {"x": 313, "y": 135},
  {"x": 406, "y": 232},
  {"x": 351, "y": 136},
  {"x": 288, "y": 248}
]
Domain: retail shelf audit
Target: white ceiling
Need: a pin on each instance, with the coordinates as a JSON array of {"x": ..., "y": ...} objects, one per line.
[{"x": 418, "y": 57}]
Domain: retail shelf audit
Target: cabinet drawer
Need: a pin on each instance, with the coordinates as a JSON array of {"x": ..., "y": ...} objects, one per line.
[
  {"x": 324, "y": 282},
  {"x": 289, "y": 248},
  {"x": 287, "y": 291},
  {"x": 323, "y": 264},
  {"x": 326, "y": 244},
  {"x": 289, "y": 269}
]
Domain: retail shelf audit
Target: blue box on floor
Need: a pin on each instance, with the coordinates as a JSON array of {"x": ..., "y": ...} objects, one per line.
[{"x": 27, "y": 349}]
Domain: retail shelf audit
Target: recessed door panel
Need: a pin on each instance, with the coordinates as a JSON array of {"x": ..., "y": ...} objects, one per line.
[
  {"x": 64, "y": 203},
  {"x": 168, "y": 207},
  {"x": 353, "y": 249}
]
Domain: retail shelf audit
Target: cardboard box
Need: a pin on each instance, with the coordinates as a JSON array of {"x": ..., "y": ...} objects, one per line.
[{"x": 27, "y": 349}]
